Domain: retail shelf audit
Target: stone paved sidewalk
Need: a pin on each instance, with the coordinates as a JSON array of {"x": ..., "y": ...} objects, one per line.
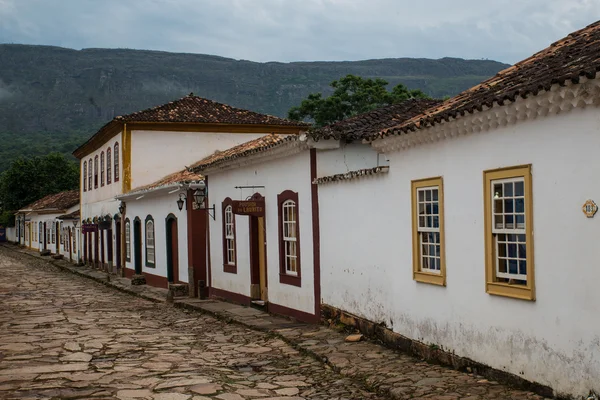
[{"x": 381, "y": 369}]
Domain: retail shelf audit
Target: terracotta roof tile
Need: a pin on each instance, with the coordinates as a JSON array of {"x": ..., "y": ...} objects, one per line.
[
  {"x": 58, "y": 201},
  {"x": 197, "y": 109},
  {"x": 242, "y": 150},
  {"x": 368, "y": 124},
  {"x": 184, "y": 176},
  {"x": 570, "y": 58}
]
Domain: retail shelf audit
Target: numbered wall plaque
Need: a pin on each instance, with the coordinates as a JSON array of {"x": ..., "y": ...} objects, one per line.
[{"x": 589, "y": 208}]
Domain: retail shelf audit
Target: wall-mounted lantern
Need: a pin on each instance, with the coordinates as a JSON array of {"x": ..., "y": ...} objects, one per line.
[
  {"x": 200, "y": 193},
  {"x": 122, "y": 207},
  {"x": 181, "y": 201}
]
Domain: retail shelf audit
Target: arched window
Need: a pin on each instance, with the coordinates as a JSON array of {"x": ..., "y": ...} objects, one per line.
[
  {"x": 108, "y": 166},
  {"x": 149, "y": 241},
  {"x": 116, "y": 156},
  {"x": 102, "y": 169},
  {"x": 289, "y": 238},
  {"x": 90, "y": 174},
  {"x": 62, "y": 232},
  {"x": 84, "y": 176},
  {"x": 96, "y": 172},
  {"x": 127, "y": 240},
  {"x": 53, "y": 232},
  {"x": 229, "y": 253}
]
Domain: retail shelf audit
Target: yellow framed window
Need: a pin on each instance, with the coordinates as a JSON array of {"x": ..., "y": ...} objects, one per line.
[
  {"x": 429, "y": 264},
  {"x": 509, "y": 232}
]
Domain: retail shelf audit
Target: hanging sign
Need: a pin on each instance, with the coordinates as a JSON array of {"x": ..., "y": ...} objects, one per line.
[
  {"x": 589, "y": 208},
  {"x": 255, "y": 208},
  {"x": 87, "y": 228}
]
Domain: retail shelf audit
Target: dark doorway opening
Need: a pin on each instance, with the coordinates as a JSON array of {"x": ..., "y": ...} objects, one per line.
[
  {"x": 118, "y": 243},
  {"x": 172, "y": 249},
  {"x": 137, "y": 245}
]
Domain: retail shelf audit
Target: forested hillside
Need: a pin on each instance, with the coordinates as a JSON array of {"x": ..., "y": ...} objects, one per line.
[{"x": 52, "y": 99}]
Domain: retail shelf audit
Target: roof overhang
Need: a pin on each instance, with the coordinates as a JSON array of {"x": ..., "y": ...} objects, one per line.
[{"x": 154, "y": 192}]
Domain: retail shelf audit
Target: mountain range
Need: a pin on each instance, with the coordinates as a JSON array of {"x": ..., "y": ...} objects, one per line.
[{"x": 53, "y": 98}]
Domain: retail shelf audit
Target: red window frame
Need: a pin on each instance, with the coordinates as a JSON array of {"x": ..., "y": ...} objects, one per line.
[
  {"x": 284, "y": 277},
  {"x": 230, "y": 268},
  {"x": 96, "y": 172},
  {"x": 85, "y": 176},
  {"x": 116, "y": 157},
  {"x": 108, "y": 167},
  {"x": 102, "y": 169}
]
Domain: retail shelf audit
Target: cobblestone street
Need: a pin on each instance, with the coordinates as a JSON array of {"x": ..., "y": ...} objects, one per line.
[{"x": 64, "y": 336}]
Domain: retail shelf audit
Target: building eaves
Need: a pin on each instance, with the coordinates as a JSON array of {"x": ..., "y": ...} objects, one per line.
[
  {"x": 259, "y": 145},
  {"x": 569, "y": 59},
  {"x": 370, "y": 123}
]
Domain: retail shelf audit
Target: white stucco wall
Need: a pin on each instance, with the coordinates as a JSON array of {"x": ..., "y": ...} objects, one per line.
[
  {"x": 289, "y": 173},
  {"x": 367, "y": 262},
  {"x": 155, "y": 154},
  {"x": 11, "y": 234},
  {"x": 159, "y": 207},
  {"x": 348, "y": 157}
]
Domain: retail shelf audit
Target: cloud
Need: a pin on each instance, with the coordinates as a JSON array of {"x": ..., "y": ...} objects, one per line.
[{"x": 297, "y": 30}]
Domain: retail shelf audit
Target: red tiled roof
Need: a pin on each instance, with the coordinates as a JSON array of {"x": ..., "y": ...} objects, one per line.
[
  {"x": 178, "y": 177},
  {"x": 243, "y": 150},
  {"x": 58, "y": 201},
  {"x": 570, "y": 58},
  {"x": 189, "y": 109},
  {"x": 197, "y": 109},
  {"x": 370, "y": 123}
]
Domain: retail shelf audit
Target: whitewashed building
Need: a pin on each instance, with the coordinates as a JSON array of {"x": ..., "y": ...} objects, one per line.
[
  {"x": 264, "y": 238},
  {"x": 156, "y": 230},
  {"x": 480, "y": 237},
  {"x": 133, "y": 152},
  {"x": 40, "y": 226}
]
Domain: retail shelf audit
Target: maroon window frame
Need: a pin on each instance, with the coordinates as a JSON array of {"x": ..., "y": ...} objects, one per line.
[
  {"x": 116, "y": 156},
  {"x": 232, "y": 269},
  {"x": 283, "y": 276},
  {"x": 85, "y": 176},
  {"x": 90, "y": 174},
  {"x": 108, "y": 167},
  {"x": 102, "y": 169},
  {"x": 96, "y": 172}
]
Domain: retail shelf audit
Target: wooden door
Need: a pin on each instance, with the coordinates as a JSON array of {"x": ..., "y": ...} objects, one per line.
[
  {"x": 172, "y": 251},
  {"x": 262, "y": 259}
]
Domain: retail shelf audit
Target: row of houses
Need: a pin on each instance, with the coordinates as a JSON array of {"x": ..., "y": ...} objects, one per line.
[{"x": 467, "y": 224}]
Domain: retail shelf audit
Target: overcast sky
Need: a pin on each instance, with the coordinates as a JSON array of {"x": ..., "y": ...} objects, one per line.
[{"x": 301, "y": 30}]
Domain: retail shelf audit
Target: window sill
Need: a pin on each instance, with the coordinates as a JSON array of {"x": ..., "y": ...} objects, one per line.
[
  {"x": 512, "y": 291},
  {"x": 290, "y": 280},
  {"x": 427, "y": 277},
  {"x": 230, "y": 269}
]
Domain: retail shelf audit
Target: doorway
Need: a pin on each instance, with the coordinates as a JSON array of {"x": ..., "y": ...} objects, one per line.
[
  {"x": 118, "y": 243},
  {"x": 137, "y": 245},
  {"x": 45, "y": 237},
  {"x": 258, "y": 262},
  {"x": 172, "y": 249}
]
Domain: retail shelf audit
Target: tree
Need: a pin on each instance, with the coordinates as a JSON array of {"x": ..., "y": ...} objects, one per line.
[
  {"x": 352, "y": 95},
  {"x": 30, "y": 179}
]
